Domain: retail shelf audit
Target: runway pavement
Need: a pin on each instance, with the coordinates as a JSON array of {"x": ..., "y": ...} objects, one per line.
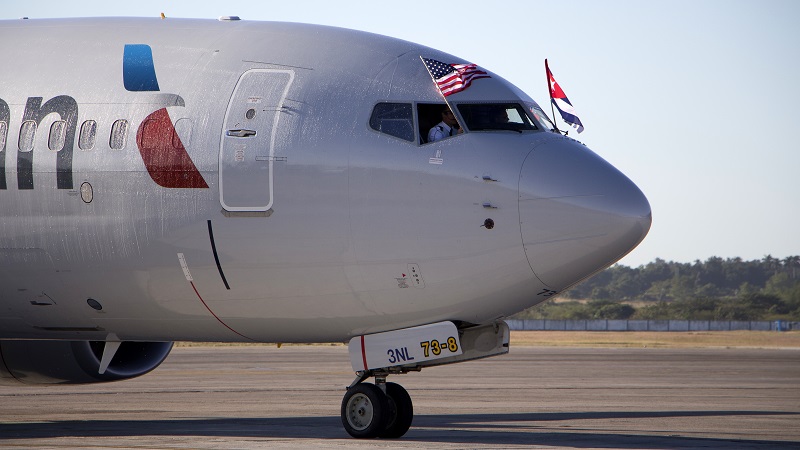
[{"x": 258, "y": 397}]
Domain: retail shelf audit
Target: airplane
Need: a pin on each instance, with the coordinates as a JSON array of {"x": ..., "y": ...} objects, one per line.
[{"x": 227, "y": 180}]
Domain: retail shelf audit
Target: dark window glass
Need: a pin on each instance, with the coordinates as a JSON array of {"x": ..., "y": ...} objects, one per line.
[
  {"x": 394, "y": 119},
  {"x": 495, "y": 116},
  {"x": 540, "y": 116}
]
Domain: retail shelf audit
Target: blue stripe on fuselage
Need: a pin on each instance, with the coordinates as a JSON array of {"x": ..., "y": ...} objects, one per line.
[{"x": 138, "y": 70}]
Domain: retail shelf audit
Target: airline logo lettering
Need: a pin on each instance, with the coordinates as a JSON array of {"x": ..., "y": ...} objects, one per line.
[
  {"x": 163, "y": 152},
  {"x": 408, "y": 346}
]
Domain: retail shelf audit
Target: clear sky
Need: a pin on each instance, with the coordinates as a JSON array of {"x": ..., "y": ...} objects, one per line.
[{"x": 696, "y": 101}]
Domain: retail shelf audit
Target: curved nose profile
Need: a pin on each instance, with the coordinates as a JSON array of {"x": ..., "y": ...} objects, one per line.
[{"x": 578, "y": 214}]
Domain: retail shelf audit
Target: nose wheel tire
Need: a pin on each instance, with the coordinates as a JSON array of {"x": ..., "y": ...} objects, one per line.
[
  {"x": 365, "y": 411},
  {"x": 368, "y": 412},
  {"x": 402, "y": 411}
]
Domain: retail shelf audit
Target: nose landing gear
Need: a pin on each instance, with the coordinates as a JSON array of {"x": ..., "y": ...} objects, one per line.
[
  {"x": 384, "y": 410},
  {"x": 381, "y": 410}
]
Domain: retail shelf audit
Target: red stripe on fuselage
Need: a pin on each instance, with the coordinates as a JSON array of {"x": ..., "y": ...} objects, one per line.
[
  {"x": 212, "y": 312},
  {"x": 363, "y": 353},
  {"x": 164, "y": 155}
]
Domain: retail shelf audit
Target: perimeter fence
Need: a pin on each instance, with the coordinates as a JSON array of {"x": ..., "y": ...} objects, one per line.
[{"x": 648, "y": 325}]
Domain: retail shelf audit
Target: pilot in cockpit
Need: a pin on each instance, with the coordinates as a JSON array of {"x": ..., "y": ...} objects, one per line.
[{"x": 446, "y": 128}]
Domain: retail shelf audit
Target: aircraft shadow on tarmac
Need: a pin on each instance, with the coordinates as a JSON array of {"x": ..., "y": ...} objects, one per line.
[{"x": 488, "y": 429}]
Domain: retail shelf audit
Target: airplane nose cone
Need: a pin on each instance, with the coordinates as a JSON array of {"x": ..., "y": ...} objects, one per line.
[{"x": 578, "y": 214}]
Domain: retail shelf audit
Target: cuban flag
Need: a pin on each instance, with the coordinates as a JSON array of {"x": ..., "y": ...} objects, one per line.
[{"x": 561, "y": 101}]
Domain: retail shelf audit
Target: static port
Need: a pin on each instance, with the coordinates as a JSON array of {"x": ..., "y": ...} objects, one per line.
[
  {"x": 488, "y": 224},
  {"x": 94, "y": 304}
]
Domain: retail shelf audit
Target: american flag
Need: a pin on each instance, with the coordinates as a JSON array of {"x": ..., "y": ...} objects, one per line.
[{"x": 452, "y": 78}]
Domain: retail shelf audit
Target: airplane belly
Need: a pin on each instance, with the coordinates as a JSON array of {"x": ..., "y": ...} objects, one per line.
[
  {"x": 92, "y": 267},
  {"x": 33, "y": 293}
]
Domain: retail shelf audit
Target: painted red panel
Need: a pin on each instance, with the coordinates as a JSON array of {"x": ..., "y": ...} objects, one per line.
[{"x": 166, "y": 160}]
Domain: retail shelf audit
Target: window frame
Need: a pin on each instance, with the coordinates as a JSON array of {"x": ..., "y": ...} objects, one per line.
[
  {"x": 520, "y": 107},
  {"x": 3, "y": 135},
  {"x": 57, "y": 137},
  {"x": 412, "y": 120},
  {"x": 115, "y": 136},
  {"x": 91, "y": 138},
  {"x": 23, "y": 134}
]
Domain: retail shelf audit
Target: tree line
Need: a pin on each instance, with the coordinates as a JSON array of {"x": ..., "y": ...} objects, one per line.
[{"x": 714, "y": 289}]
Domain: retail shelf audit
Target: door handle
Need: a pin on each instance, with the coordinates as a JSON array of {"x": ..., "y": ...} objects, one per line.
[{"x": 240, "y": 133}]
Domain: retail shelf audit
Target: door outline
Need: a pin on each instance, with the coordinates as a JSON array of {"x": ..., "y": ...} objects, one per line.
[{"x": 278, "y": 108}]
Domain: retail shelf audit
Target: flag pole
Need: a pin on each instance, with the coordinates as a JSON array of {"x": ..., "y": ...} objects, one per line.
[
  {"x": 444, "y": 97},
  {"x": 550, "y": 93}
]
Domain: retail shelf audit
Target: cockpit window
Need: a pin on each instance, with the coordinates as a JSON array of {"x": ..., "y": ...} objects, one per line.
[
  {"x": 495, "y": 116},
  {"x": 394, "y": 119},
  {"x": 436, "y": 122},
  {"x": 540, "y": 116}
]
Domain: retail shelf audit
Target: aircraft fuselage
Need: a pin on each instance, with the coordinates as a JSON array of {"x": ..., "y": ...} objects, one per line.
[{"x": 234, "y": 187}]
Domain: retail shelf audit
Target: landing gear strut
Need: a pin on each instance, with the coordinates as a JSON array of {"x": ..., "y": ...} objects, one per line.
[
  {"x": 384, "y": 410},
  {"x": 381, "y": 410}
]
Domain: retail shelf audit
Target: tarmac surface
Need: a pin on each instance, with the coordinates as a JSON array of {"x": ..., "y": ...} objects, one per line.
[{"x": 258, "y": 397}]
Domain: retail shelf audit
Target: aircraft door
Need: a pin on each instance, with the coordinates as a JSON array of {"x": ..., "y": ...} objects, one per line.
[{"x": 248, "y": 139}]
